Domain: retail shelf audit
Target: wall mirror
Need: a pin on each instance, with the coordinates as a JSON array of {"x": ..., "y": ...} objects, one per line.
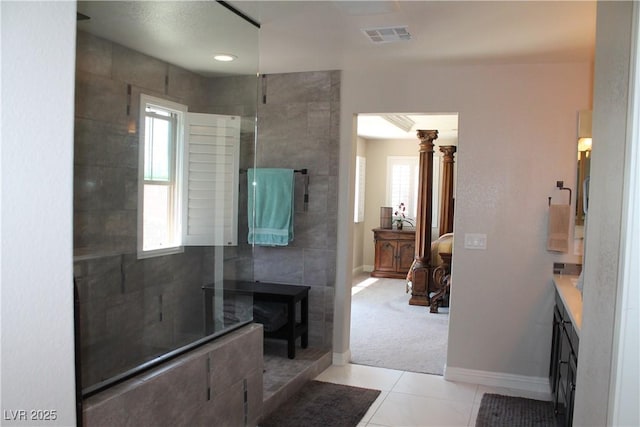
[
  {"x": 583, "y": 170},
  {"x": 137, "y": 311}
]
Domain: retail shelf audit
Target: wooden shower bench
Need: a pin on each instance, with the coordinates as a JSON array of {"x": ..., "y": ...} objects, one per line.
[{"x": 290, "y": 295}]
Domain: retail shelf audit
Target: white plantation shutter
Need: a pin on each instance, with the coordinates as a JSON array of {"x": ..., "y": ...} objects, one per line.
[
  {"x": 402, "y": 183},
  {"x": 210, "y": 206},
  {"x": 361, "y": 164}
]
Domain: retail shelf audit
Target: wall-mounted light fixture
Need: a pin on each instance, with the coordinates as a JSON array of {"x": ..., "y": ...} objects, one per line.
[
  {"x": 584, "y": 144},
  {"x": 584, "y": 130},
  {"x": 584, "y": 166}
]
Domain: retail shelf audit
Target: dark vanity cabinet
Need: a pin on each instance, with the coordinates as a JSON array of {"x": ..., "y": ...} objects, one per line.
[{"x": 564, "y": 363}]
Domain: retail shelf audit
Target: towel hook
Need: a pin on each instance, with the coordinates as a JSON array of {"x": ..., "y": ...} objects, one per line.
[{"x": 560, "y": 186}]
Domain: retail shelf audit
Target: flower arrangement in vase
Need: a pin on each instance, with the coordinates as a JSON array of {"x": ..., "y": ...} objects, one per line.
[{"x": 399, "y": 217}]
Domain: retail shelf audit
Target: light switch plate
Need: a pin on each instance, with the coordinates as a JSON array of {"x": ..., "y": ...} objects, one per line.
[{"x": 475, "y": 241}]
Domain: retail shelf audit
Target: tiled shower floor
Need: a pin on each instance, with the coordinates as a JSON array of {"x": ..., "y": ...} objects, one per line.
[{"x": 283, "y": 376}]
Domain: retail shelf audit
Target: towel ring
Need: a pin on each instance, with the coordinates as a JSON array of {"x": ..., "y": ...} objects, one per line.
[{"x": 560, "y": 186}]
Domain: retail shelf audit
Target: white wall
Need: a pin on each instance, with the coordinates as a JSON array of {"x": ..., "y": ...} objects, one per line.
[
  {"x": 38, "y": 68},
  {"x": 603, "y": 281},
  {"x": 359, "y": 229},
  {"x": 517, "y": 137}
]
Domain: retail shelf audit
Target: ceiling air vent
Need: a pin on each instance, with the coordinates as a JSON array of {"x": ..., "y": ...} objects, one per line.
[{"x": 387, "y": 34}]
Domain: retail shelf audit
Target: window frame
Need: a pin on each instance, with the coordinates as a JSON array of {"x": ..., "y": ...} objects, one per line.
[{"x": 175, "y": 175}]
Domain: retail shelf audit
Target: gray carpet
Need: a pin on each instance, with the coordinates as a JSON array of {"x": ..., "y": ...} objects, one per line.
[
  {"x": 387, "y": 332},
  {"x": 322, "y": 404},
  {"x": 508, "y": 411}
]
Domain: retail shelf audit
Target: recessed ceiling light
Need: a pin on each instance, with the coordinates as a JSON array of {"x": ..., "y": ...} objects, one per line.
[{"x": 225, "y": 57}]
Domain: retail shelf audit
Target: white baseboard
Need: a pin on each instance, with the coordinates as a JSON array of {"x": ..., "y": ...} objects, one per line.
[
  {"x": 362, "y": 269},
  {"x": 498, "y": 379},
  {"x": 342, "y": 359}
]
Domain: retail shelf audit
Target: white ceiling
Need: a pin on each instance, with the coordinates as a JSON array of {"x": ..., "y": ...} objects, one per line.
[
  {"x": 326, "y": 35},
  {"x": 184, "y": 33},
  {"x": 298, "y": 36},
  {"x": 374, "y": 126}
]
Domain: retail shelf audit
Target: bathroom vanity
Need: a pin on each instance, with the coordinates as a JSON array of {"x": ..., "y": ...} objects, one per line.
[{"x": 567, "y": 322}]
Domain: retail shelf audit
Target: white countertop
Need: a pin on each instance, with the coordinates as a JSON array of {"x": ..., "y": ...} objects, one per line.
[{"x": 571, "y": 297}]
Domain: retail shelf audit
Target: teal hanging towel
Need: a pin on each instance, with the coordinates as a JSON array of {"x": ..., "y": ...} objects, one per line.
[{"x": 270, "y": 206}]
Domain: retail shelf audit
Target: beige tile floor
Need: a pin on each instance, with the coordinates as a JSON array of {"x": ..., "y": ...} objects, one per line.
[{"x": 411, "y": 399}]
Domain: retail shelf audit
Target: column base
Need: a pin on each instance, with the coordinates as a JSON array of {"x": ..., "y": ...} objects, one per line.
[{"x": 419, "y": 300}]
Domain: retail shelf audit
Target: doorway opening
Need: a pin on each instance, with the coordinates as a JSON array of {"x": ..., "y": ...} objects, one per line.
[{"x": 386, "y": 331}]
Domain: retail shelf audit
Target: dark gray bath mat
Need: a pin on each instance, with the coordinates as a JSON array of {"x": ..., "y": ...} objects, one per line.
[
  {"x": 507, "y": 411},
  {"x": 321, "y": 404}
]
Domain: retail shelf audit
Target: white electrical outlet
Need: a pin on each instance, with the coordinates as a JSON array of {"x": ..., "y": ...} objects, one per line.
[{"x": 475, "y": 241}]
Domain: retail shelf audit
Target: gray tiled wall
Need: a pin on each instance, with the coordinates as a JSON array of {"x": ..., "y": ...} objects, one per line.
[
  {"x": 218, "y": 384},
  {"x": 298, "y": 128}
]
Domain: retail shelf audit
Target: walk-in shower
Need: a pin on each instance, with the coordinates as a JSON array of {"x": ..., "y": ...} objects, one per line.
[{"x": 138, "y": 307}]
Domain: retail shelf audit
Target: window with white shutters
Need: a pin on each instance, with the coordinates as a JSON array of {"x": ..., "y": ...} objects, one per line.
[
  {"x": 188, "y": 178},
  {"x": 402, "y": 183},
  {"x": 403, "y": 173}
]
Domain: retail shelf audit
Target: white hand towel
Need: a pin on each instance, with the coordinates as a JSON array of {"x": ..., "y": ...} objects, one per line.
[{"x": 558, "y": 231}]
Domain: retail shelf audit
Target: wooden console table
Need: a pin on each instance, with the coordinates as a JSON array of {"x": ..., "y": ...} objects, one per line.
[
  {"x": 270, "y": 292},
  {"x": 394, "y": 252}
]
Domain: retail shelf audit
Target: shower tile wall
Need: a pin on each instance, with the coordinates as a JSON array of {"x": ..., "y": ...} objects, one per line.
[
  {"x": 132, "y": 310},
  {"x": 298, "y": 128}
]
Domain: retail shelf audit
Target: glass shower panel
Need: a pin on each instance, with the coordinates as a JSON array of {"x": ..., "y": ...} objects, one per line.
[{"x": 137, "y": 311}]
